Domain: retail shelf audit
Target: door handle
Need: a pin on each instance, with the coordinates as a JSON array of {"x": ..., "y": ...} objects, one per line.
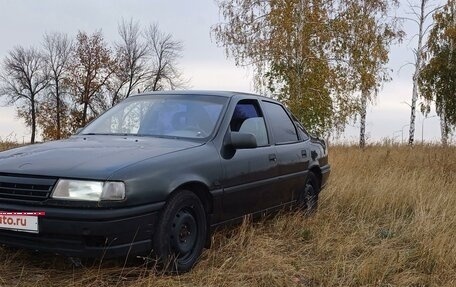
[
  {"x": 304, "y": 153},
  {"x": 272, "y": 157}
]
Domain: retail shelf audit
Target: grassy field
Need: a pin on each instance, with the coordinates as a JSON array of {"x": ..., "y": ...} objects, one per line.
[
  {"x": 6, "y": 145},
  {"x": 387, "y": 218}
]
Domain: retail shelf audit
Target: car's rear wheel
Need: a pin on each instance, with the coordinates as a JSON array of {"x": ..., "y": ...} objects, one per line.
[
  {"x": 181, "y": 232},
  {"x": 308, "y": 197}
]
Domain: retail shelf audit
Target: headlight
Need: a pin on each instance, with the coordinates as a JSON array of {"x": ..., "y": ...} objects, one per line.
[{"x": 89, "y": 190}]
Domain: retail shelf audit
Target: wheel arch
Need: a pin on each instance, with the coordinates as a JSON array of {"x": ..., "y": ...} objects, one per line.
[{"x": 201, "y": 190}]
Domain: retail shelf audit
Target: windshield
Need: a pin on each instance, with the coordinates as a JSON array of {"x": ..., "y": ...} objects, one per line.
[{"x": 186, "y": 116}]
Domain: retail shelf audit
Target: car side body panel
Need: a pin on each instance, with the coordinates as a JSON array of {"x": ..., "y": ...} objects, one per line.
[
  {"x": 155, "y": 179},
  {"x": 248, "y": 179}
]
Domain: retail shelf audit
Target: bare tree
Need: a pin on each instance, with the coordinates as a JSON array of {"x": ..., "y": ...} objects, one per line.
[
  {"x": 131, "y": 57},
  {"x": 57, "y": 52},
  {"x": 24, "y": 78},
  {"x": 163, "y": 52}
]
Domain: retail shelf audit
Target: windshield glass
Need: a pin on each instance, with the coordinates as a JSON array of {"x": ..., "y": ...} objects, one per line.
[{"x": 186, "y": 116}]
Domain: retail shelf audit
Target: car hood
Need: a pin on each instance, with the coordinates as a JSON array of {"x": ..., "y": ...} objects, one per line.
[{"x": 89, "y": 157}]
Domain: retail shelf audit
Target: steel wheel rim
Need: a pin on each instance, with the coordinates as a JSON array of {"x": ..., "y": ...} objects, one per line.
[
  {"x": 309, "y": 196},
  {"x": 184, "y": 234}
]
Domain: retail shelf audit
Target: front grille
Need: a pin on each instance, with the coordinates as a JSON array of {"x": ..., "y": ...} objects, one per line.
[{"x": 25, "y": 188}]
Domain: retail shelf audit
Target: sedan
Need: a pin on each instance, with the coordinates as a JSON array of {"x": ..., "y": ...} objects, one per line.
[{"x": 154, "y": 175}]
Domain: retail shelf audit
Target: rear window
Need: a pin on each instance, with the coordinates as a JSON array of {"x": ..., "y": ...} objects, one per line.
[{"x": 282, "y": 127}]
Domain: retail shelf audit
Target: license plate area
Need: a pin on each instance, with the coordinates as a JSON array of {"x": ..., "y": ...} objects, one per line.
[{"x": 20, "y": 223}]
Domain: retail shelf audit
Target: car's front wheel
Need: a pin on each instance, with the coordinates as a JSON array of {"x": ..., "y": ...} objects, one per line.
[
  {"x": 181, "y": 232},
  {"x": 308, "y": 197}
]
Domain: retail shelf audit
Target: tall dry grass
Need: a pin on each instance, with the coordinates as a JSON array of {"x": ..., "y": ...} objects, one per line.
[
  {"x": 7, "y": 144},
  {"x": 386, "y": 218}
]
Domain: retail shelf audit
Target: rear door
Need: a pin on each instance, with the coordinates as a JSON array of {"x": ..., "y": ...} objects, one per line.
[{"x": 292, "y": 154}]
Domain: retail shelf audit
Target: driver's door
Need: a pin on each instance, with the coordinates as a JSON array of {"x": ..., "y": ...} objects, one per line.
[{"x": 250, "y": 175}]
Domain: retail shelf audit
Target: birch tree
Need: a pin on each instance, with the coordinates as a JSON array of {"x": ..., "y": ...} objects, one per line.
[
  {"x": 303, "y": 52},
  {"x": 437, "y": 81},
  {"x": 369, "y": 31},
  {"x": 420, "y": 14}
]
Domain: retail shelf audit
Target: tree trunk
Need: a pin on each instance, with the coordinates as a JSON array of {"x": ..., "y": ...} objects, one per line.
[
  {"x": 416, "y": 75},
  {"x": 413, "y": 107},
  {"x": 57, "y": 94},
  {"x": 156, "y": 80},
  {"x": 84, "y": 114},
  {"x": 158, "y": 76},
  {"x": 32, "y": 137},
  {"x": 130, "y": 86},
  {"x": 444, "y": 127},
  {"x": 362, "y": 131}
]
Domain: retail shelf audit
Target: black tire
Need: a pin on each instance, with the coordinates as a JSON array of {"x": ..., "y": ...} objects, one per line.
[
  {"x": 308, "y": 197},
  {"x": 181, "y": 231}
]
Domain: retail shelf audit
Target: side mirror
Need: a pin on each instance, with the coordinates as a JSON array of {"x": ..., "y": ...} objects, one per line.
[{"x": 243, "y": 140}]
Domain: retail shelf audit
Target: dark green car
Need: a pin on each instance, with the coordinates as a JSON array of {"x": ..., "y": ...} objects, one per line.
[{"x": 156, "y": 173}]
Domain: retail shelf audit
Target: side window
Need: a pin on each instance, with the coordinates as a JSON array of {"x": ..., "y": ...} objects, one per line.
[
  {"x": 303, "y": 135},
  {"x": 282, "y": 127},
  {"x": 301, "y": 131},
  {"x": 248, "y": 118}
]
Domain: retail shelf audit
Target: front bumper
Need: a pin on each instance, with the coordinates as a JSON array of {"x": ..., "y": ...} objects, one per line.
[{"x": 85, "y": 233}]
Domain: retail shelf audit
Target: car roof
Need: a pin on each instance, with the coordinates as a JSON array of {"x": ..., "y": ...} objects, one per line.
[{"x": 226, "y": 94}]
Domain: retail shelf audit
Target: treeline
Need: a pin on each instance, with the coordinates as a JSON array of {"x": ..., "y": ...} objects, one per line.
[
  {"x": 66, "y": 81},
  {"x": 327, "y": 59}
]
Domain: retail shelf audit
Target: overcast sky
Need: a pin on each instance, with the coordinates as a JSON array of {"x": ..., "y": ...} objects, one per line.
[{"x": 24, "y": 23}]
